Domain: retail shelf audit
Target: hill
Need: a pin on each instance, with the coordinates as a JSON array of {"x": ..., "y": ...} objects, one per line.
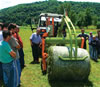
[{"x": 21, "y": 14}]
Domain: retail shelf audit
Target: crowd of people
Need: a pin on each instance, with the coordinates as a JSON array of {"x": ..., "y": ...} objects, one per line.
[
  {"x": 94, "y": 44},
  {"x": 11, "y": 55}
]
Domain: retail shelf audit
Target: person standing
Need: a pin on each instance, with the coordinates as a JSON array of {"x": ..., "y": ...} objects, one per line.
[
  {"x": 98, "y": 43},
  {"x": 35, "y": 41},
  {"x": 3, "y": 27},
  {"x": 85, "y": 36},
  {"x": 15, "y": 46},
  {"x": 21, "y": 52},
  {"x": 90, "y": 44},
  {"x": 94, "y": 45},
  {"x": 7, "y": 56}
]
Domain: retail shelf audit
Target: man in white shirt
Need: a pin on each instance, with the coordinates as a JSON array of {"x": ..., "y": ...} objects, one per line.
[{"x": 35, "y": 41}]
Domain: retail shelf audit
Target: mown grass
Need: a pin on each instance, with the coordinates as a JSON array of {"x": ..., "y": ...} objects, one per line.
[{"x": 32, "y": 76}]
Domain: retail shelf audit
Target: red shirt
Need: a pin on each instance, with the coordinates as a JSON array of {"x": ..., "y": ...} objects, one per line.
[{"x": 16, "y": 35}]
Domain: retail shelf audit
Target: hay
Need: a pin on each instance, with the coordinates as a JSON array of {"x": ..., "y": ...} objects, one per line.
[{"x": 67, "y": 70}]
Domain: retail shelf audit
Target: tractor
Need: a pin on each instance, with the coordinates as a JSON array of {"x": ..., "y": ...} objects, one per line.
[{"x": 62, "y": 57}]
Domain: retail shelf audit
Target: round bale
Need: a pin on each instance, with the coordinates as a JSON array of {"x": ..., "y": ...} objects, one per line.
[{"x": 71, "y": 70}]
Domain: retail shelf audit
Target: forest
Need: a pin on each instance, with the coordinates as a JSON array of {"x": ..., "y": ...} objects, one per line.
[{"x": 82, "y": 14}]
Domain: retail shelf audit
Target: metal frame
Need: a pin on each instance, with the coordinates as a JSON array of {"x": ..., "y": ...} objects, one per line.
[{"x": 46, "y": 40}]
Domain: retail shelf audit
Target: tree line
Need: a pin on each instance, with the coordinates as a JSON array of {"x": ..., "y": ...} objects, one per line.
[{"x": 81, "y": 13}]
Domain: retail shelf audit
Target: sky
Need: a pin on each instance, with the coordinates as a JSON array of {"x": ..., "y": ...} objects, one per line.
[{"x": 9, "y": 3}]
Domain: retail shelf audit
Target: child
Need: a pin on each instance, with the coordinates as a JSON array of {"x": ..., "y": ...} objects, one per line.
[
  {"x": 90, "y": 44},
  {"x": 94, "y": 45}
]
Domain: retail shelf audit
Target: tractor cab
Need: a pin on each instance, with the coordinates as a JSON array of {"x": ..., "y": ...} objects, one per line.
[{"x": 49, "y": 23}]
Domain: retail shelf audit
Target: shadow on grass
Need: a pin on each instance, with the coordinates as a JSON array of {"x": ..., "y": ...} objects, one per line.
[{"x": 70, "y": 84}]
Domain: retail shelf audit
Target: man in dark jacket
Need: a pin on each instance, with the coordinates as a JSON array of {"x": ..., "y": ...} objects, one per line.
[{"x": 85, "y": 36}]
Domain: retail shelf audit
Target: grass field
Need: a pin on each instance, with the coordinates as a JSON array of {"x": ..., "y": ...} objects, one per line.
[{"x": 32, "y": 76}]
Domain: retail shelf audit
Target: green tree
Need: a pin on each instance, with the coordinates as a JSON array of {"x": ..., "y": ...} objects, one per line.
[
  {"x": 88, "y": 17},
  {"x": 94, "y": 20},
  {"x": 70, "y": 12},
  {"x": 81, "y": 19},
  {"x": 98, "y": 25},
  {"x": 19, "y": 14},
  {"x": 73, "y": 17},
  {"x": 66, "y": 7}
]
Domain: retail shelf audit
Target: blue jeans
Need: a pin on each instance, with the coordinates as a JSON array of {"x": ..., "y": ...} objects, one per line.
[
  {"x": 95, "y": 56},
  {"x": 1, "y": 72},
  {"x": 22, "y": 62},
  {"x": 8, "y": 72},
  {"x": 17, "y": 71},
  {"x": 91, "y": 51}
]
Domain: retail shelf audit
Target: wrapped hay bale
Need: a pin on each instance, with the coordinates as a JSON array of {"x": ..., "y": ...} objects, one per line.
[{"x": 74, "y": 70}]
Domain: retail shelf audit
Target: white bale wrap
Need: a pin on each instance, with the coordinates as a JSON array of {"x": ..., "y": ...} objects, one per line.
[{"x": 75, "y": 70}]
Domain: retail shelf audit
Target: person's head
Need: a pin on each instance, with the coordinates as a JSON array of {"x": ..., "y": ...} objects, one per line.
[
  {"x": 1, "y": 26},
  {"x": 90, "y": 33},
  {"x": 17, "y": 29},
  {"x": 6, "y": 35},
  {"x": 94, "y": 37},
  {"x": 5, "y": 26},
  {"x": 11, "y": 28},
  {"x": 82, "y": 31},
  {"x": 38, "y": 31}
]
